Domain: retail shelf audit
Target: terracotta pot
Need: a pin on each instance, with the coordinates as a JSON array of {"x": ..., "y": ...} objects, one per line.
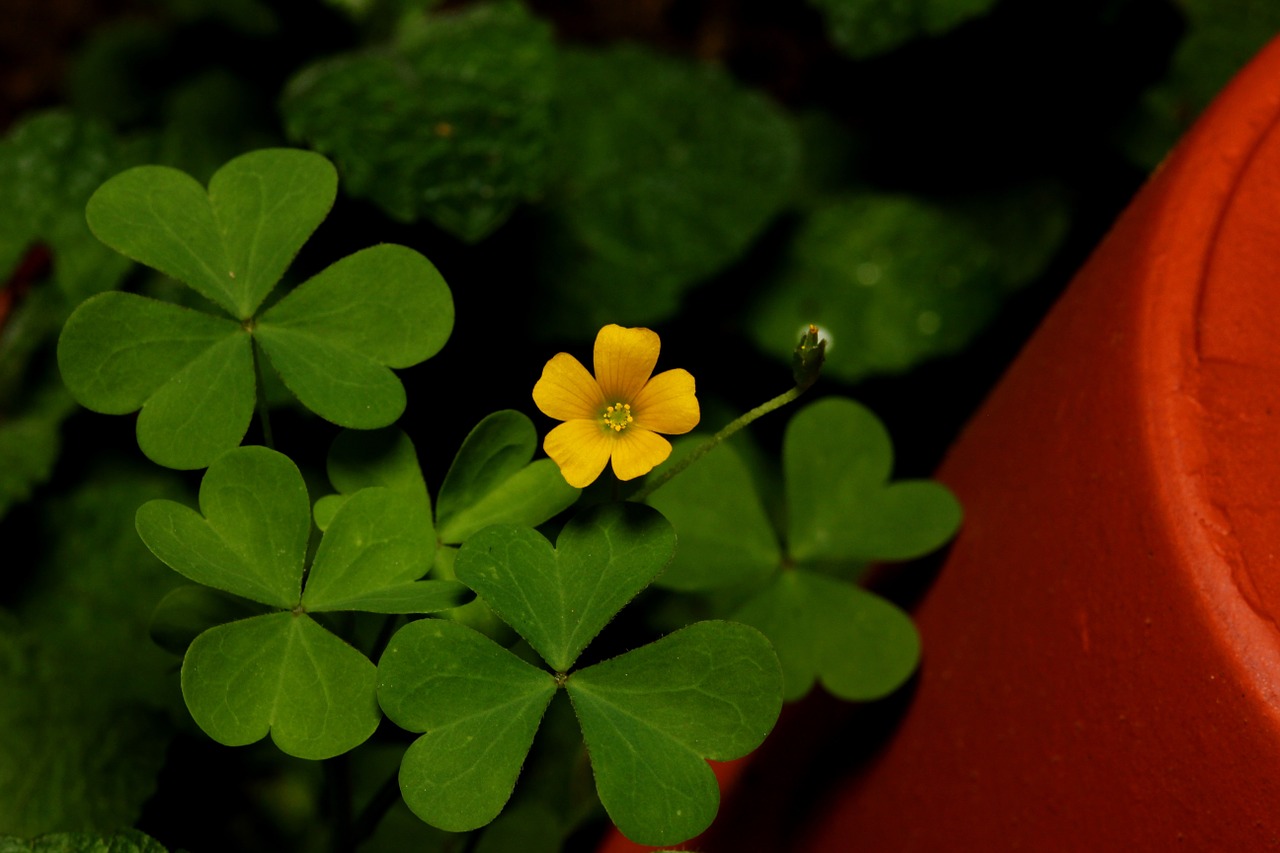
[{"x": 1102, "y": 645}]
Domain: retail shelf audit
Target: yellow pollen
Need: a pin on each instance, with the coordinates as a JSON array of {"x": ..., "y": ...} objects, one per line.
[{"x": 618, "y": 416}]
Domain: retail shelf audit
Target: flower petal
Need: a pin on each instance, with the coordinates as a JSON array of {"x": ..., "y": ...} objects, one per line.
[
  {"x": 567, "y": 391},
  {"x": 581, "y": 449},
  {"x": 667, "y": 404},
  {"x": 636, "y": 451},
  {"x": 624, "y": 360}
]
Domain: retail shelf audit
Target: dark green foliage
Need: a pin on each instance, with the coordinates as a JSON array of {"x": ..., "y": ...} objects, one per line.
[{"x": 448, "y": 123}]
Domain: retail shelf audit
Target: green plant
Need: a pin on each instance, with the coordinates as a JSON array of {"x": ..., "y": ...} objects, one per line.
[{"x": 405, "y": 580}]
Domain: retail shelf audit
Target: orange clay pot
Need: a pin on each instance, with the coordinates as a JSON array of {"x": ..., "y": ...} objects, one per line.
[{"x": 1102, "y": 646}]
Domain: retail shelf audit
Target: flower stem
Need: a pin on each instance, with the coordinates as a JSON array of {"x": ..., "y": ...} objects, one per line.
[
  {"x": 264, "y": 418},
  {"x": 763, "y": 409}
]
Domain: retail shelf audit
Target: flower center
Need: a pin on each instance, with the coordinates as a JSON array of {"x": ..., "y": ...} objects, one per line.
[{"x": 618, "y": 416}]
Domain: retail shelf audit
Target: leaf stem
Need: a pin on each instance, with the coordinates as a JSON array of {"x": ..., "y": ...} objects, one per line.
[
  {"x": 763, "y": 409},
  {"x": 264, "y": 418}
]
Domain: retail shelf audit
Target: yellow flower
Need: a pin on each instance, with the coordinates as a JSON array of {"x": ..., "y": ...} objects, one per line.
[{"x": 616, "y": 414}]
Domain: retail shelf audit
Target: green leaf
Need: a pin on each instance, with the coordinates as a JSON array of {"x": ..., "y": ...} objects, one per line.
[
  {"x": 651, "y": 716},
  {"x": 1220, "y": 37},
  {"x": 375, "y": 542},
  {"x": 492, "y": 481},
  {"x": 192, "y": 374},
  {"x": 333, "y": 338},
  {"x": 479, "y": 706},
  {"x": 231, "y": 244},
  {"x": 837, "y": 458},
  {"x": 725, "y": 535},
  {"x": 128, "y": 841},
  {"x": 252, "y": 538},
  {"x": 118, "y": 349},
  {"x": 895, "y": 280},
  {"x": 29, "y": 445},
  {"x": 560, "y": 599},
  {"x": 859, "y": 645},
  {"x": 284, "y": 674},
  {"x": 866, "y": 28},
  {"x": 49, "y": 164},
  {"x": 450, "y": 123},
  {"x": 85, "y": 693},
  {"x": 669, "y": 171}
]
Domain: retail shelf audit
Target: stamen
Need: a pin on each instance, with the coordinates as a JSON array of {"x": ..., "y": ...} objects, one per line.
[{"x": 618, "y": 416}]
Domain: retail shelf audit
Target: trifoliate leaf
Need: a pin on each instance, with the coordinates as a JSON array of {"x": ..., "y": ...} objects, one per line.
[
  {"x": 449, "y": 123},
  {"x": 560, "y": 598},
  {"x": 860, "y": 646},
  {"x": 837, "y": 459},
  {"x": 284, "y": 674},
  {"x": 479, "y": 706},
  {"x": 652, "y": 716},
  {"x": 865, "y": 28},
  {"x": 669, "y": 170},
  {"x": 332, "y": 339},
  {"x": 492, "y": 480},
  {"x": 893, "y": 280},
  {"x": 725, "y": 535}
]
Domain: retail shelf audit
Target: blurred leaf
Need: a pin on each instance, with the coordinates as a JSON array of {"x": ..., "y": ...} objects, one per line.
[
  {"x": 493, "y": 481},
  {"x": 210, "y": 119},
  {"x": 85, "y": 692},
  {"x": 865, "y": 28},
  {"x": 115, "y": 76},
  {"x": 837, "y": 458},
  {"x": 479, "y": 706},
  {"x": 560, "y": 599},
  {"x": 385, "y": 457},
  {"x": 1221, "y": 36},
  {"x": 129, "y": 841},
  {"x": 29, "y": 445},
  {"x": 449, "y": 123},
  {"x": 669, "y": 171},
  {"x": 894, "y": 280},
  {"x": 50, "y": 164},
  {"x": 859, "y": 645},
  {"x": 725, "y": 536},
  {"x": 651, "y": 716}
]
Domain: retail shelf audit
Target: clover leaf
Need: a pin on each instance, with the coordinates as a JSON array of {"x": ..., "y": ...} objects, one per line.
[
  {"x": 282, "y": 672},
  {"x": 333, "y": 339},
  {"x": 843, "y": 511},
  {"x": 650, "y": 717}
]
